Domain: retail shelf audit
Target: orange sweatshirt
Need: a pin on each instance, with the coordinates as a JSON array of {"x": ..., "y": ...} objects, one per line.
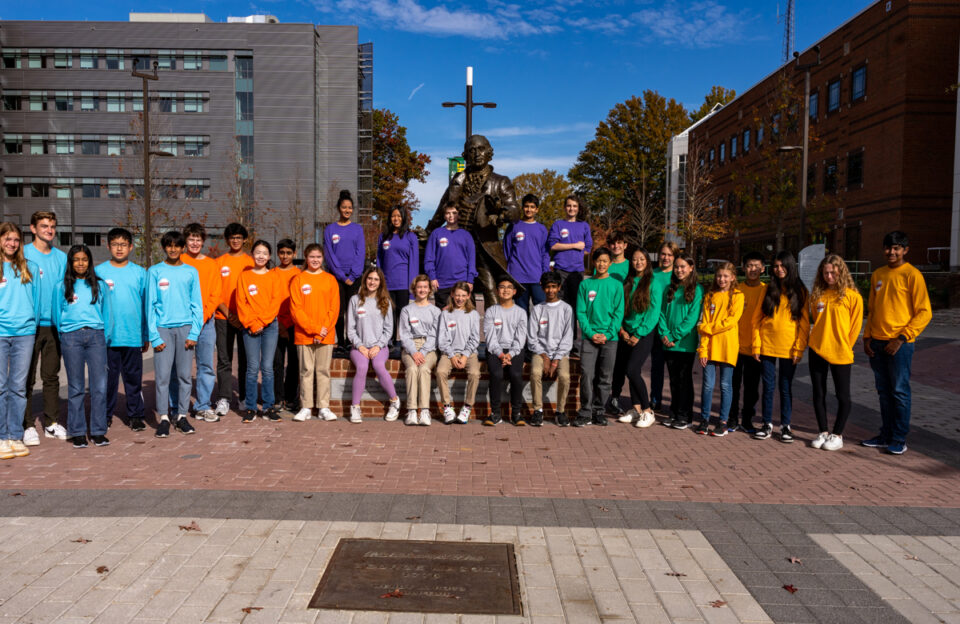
[
  {"x": 899, "y": 304},
  {"x": 285, "y": 276},
  {"x": 230, "y": 269},
  {"x": 258, "y": 299},
  {"x": 314, "y": 304},
  {"x": 836, "y": 325},
  {"x": 779, "y": 335},
  {"x": 210, "y": 283},
  {"x": 752, "y": 296},
  {"x": 719, "y": 327}
]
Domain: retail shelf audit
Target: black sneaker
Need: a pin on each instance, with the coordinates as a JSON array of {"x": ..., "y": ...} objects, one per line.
[
  {"x": 183, "y": 426},
  {"x": 600, "y": 419},
  {"x": 702, "y": 428},
  {"x": 562, "y": 419},
  {"x": 668, "y": 422},
  {"x": 272, "y": 414},
  {"x": 875, "y": 442},
  {"x": 248, "y": 416},
  {"x": 732, "y": 427},
  {"x": 100, "y": 440},
  {"x": 681, "y": 423},
  {"x": 747, "y": 425},
  {"x": 582, "y": 421},
  {"x": 786, "y": 435},
  {"x": 613, "y": 406},
  {"x": 163, "y": 429},
  {"x": 137, "y": 424},
  {"x": 519, "y": 421},
  {"x": 492, "y": 419},
  {"x": 719, "y": 431},
  {"x": 536, "y": 419},
  {"x": 656, "y": 405},
  {"x": 764, "y": 432},
  {"x": 79, "y": 441}
]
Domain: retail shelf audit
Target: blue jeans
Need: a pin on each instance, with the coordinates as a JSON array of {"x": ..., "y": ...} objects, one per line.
[
  {"x": 784, "y": 383},
  {"x": 892, "y": 375},
  {"x": 206, "y": 347},
  {"x": 530, "y": 291},
  {"x": 85, "y": 348},
  {"x": 15, "y": 354},
  {"x": 726, "y": 390},
  {"x": 260, "y": 351}
]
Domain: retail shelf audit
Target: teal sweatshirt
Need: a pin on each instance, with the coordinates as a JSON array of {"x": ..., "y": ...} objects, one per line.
[
  {"x": 127, "y": 291},
  {"x": 600, "y": 307},
  {"x": 19, "y": 302},
  {"x": 80, "y": 311},
  {"x": 639, "y": 324},
  {"x": 678, "y": 320},
  {"x": 50, "y": 269},
  {"x": 173, "y": 300}
]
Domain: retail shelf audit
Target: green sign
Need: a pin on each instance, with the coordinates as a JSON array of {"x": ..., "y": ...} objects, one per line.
[{"x": 457, "y": 165}]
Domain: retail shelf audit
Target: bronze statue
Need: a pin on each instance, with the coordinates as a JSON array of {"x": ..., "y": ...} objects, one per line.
[{"x": 486, "y": 200}]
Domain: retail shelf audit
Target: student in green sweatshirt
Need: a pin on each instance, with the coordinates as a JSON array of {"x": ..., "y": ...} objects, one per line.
[{"x": 679, "y": 337}]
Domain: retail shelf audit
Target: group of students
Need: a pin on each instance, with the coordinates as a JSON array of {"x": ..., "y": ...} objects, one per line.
[{"x": 286, "y": 323}]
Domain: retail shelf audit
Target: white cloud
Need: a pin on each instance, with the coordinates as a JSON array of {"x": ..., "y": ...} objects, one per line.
[
  {"x": 515, "y": 131},
  {"x": 701, "y": 24},
  {"x": 415, "y": 89},
  {"x": 609, "y": 24}
]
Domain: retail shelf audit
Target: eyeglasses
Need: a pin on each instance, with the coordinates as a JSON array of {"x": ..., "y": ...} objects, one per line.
[{"x": 120, "y": 245}]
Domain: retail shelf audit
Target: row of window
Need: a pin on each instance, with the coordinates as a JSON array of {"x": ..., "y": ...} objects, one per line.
[
  {"x": 107, "y": 101},
  {"x": 103, "y": 188},
  {"x": 101, "y": 145},
  {"x": 858, "y": 91},
  {"x": 92, "y": 58}
]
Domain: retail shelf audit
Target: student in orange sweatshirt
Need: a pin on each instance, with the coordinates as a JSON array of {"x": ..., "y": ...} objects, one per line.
[
  {"x": 781, "y": 328},
  {"x": 719, "y": 345},
  {"x": 836, "y": 314},
  {"x": 286, "y": 371},
  {"x": 228, "y": 324},
  {"x": 258, "y": 303},
  {"x": 314, "y": 307}
]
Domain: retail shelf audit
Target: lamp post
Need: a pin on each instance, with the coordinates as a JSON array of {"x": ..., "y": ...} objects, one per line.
[
  {"x": 147, "y": 220},
  {"x": 469, "y": 103},
  {"x": 806, "y": 139}
]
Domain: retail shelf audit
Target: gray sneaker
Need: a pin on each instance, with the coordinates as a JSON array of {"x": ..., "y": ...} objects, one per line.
[{"x": 207, "y": 416}]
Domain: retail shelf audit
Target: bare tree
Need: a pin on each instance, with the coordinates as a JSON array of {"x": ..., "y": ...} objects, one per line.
[
  {"x": 300, "y": 211},
  {"x": 700, "y": 218}
]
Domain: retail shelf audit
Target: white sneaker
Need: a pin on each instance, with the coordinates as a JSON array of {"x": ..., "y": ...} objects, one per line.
[
  {"x": 448, "y": 414},
  {"x": 411, "y": 417},
  {"x": 629, "y": 416},
  {"x": 327, "y": 414},
  {"x": 304, "y": 414},
  {"x": 820, "y": 439},
  {"x": 425, "y": 417},
  {"x": 833, "y": 443},
  {"x": 646, "y": 419},
  {"x": 464, "y": 414},
  {"x": 31, "y": 437},
  {"x": 223, "y": 406},
  {"x": 356, "y": 415},
  {"x": 55, "y": 430},
  {"x": 393, "y": 411}
]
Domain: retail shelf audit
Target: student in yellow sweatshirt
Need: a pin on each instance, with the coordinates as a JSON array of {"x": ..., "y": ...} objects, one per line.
[
  {"x": 781, "y": 328},
  {"x": 748, "y": 371},
  {"x": 836, "y": 314},
  {"x": 719, "y": 345},
  {"x": 898, "y": 311}
]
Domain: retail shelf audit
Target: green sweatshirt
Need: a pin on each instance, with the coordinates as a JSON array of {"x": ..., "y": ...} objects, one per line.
[
  {"x": 600, "y": 307},
  {"x": 639, "y": 324},
  {"x": 678, "y": 320},
  {"x": 619, "y": 270}
]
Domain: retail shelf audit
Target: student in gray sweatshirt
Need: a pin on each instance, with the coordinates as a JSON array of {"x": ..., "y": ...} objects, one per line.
[
  {"x": 505, "y": 329},
  {"x": 550, "y": 339},
  {"x": 458, "y": 336},
  {"x": 418, "y": 336},
  {"x": 369, "y": 329}
]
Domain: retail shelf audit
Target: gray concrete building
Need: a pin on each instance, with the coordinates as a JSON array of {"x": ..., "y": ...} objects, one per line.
[{"x": 250, "y": 120}]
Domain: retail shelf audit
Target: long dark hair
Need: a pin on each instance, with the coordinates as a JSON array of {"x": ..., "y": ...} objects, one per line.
[
  {"x": 689, "y": 284},
  {"x": 639, "y": 299},
  {"x": 404, "y": 223},
  {"x": 790, "y": 287},
  {"x": 69, "y": 277}
]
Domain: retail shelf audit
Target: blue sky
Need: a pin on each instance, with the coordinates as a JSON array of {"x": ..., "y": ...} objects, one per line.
[{"x": 554, "y": 68}]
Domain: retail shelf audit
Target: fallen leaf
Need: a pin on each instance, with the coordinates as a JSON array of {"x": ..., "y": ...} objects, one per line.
[
  {"x": 790, "y": 588},
  {"x": 912, "y": 557},
  {"x": 681, "y": 517},
  {"x": 479, "y": 433},
  {"x": 81, "y": 540},
  {"x": 453, "y": 597},
  {"x": 686, "y": 487},
  {"x": 716, "y": 604},
  {"x": 795, "y": 560},
  {"x": 443, "y": 460},
  {"x": 369, "y": 476},
  {"x": 675, "y": 574},
  {"x": 394, "y": 594},
  {"x": 480, "y": 462},
  {"x": 17, "y": 494},
  {"x": 139, "y": 441},
  {"x": 251, "y": 609},
  {"x": 518, "y": 452},
  {"x": 345, "y": 444},
  {"x": 102, "y": 569},
  {"x": 543, "y": 448},
  {"x": 193, "y": 526},
  {"x": 309, "y": 496},
  {"x": 244, "y": 441},
  {"x": 379, "y": 463},
  {"x": 602, "y": 508},
  {"x": 854, "y": 488},
  {"x": 502, "y": 439},
  {"x": 413, "y": 517}
]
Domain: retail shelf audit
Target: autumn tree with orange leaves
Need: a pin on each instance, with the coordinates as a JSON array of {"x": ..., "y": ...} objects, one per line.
[{"x": 395, "y": 165}]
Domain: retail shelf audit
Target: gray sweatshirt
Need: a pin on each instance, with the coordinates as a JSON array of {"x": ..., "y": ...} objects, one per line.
[
  {"x": 550, "y": 329},
  {"x": 366, "y": 327},
  {"x": 505, "y": 329},
  {"x": 458, "y": 332},
  {"x": 419, "y": 322}
]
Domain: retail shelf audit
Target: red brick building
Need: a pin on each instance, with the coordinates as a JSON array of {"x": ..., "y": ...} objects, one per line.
[{"x": 883, "y": 117}]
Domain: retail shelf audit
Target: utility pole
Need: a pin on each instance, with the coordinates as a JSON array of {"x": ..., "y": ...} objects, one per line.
[
  {"x": 469, "y": 104},
  {"x": 147, "y": 193},
  {"x": 805, "y": 147}
]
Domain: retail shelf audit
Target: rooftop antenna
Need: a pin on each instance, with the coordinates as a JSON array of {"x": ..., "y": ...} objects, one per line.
[{"x": 789, "y": 18}]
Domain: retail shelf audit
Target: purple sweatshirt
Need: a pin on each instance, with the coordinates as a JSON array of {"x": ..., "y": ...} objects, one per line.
[
  {"x": 525, "y": 247},
  {"x": 344, "y": 250},
  {"x": 450, "y": 257},
  {"x": 568, "y": 232},
  {"x": 399, "y": 259}
]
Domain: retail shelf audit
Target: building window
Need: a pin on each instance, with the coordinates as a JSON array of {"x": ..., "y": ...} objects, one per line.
[
  {"x": 114, "y": 102},
  {"x": 830, "y": 175},
  {"x": 192, "y": 60},
  {"x": 63, "y": 59},
  {"x": 64, "y": 144},
  {"x": 775, "y": 124},
  {"x": 720, "y": 205},
  {"x": 814, "y": 105},
  {"x": 733, "y": 147},
  {"x": 713, "y": 155},
  {"x": 137, "y": 102},
  {"x": 218, "y": 63},
  {"x": 36, "y": 59},
  {"x": 723, "y": 152},
  {"x": 166, "y": 59},
  {"x": 167, "y": 102},
  {"x": 114, "y": 145},
  {"x": 855, "y": 169},
  {"x": 13, "y": 187},
  {"x": 114, "y": 188},
  {"x": 38, "y": 101},
  {"x": 89, "y": 101},
  {"x": 90, "y": 145},
  {"x": 746, "y": 140},
  {"x": 92, "y": 239},
  {"x": 193, "y": 102},
  {"x": 851, "y": 242},
  {"x": 39, "y": 187},
  {"x": 833, "y": 96},
  {"x": 811, "y": 178},
  {"x": 12, "y": 101},
  {"x": 168, "y": 144},
  {"x": 858, "y": 83},
  {"x": 759, "y": 135},
  {"x": 38, "y": 146},
  {"x": 193, "y": 189},
  {"x": 245, "y": 149},
  {"x": 63, "y": 100},
  {"x": 114, "y": 59},
  {"x": 13, "y": 144},
  {"x": 142, "y": 61},
  {"x": 11, "y": 58},
  {"x": 244, "y": 67},
  {"x": 244, "y": 106},
  {"x": 63, "y": 189},
  {"x": 90, "y": 189},
  {"x": 88, "y": 59},
  {"x": 193, "y": 146}
]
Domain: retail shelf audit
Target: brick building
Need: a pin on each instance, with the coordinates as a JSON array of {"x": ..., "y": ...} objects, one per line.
[{"x": 883, "y": 124}]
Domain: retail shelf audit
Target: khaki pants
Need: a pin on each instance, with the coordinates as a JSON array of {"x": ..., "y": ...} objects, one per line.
[
  {"x": 536, "y": 382},
  {"x": 444, "y": 366},
  {"x": 418, "y": 378},
  {"x": 314, "y": 368}
]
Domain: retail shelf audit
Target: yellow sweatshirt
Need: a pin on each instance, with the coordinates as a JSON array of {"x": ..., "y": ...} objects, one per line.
[
  {"x": 898, "y": 305},
  {"x": 779, "y": 335},
  {"x": 719, "y": 327},
  {"x": 836, "y": 325},
  {"x": 752, "y": 297}
]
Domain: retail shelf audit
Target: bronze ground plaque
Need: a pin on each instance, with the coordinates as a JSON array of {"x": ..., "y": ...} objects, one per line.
[{"x": 420, "y": 576}]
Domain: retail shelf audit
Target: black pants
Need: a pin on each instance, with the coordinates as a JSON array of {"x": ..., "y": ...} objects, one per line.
[
  {"x": 227, "y": 334},
  {"x": 747, "y": 372},
  {"x": 620, "y": 370},
  {"x": 441, "y": 296},
  {"x": 286, "y": 370},
  {"x": 680, "y": 367},
  {"x": 841, "y": 384},
  {"x": 568, "y": 293},
  {"x": 638, "y": 355},
  {"x": 346, "y": 291},
  {"x": 125, "y": 363},
  {"x": 657, "y": 363},
  {"x": 46, "y": 350},
  {"x": 400, "y": 298},
  {"x": 497, "y": 373}
]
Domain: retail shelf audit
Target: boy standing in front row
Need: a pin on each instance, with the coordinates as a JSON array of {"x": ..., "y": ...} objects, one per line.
[
  {"x": 898, "y": 311},
  {"x": 550, "y": 337},
  {"x": 127, "y": 333},
  {"x": 748, "y": 370},
  {"x": 229, "y": 328}
]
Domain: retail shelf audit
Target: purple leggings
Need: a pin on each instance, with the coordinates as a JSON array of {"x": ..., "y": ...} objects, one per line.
[{"x": 379, "y": 365}]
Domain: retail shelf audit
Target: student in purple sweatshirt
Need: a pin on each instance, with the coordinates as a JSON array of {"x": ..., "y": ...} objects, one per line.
[
  {"x": 344, "y": 251},
  {"x": 525, "y": 248},
  {"x": 569, "y": 240},
  {"x": 450, "y": 256},
  {"x": 398, "y": 256}
]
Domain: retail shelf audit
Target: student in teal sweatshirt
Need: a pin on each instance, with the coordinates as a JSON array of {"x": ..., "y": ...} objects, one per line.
[
  {"x": 80, "y": 312},
  {"x": 678, "y": 335}
]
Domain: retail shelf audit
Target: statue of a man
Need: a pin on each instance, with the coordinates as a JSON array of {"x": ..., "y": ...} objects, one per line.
[{"x": 486, "y": 200}]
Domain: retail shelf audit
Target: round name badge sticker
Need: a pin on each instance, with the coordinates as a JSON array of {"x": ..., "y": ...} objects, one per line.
[
  {"x": 335, "y": 238},
  {"x": 110, "y": 284},
  {"x": 414, "y": 320},
  {"x": 75, "y": 298},
  {"x": 878, "y": 286},
  {"x": 305, "y": 289},
  {"x": 224, "y": 271},
  {"x": 3, "y": 282},
  {"x": 544, "y": 322},
  {"x": 497, "y": 322},
  {"x": 252, "y": 289},
  {"x": 820, "y": 307},
  {"x": 592, "y": 295},
  {"x": 451, "y": 324},
  {"x": 713, "y": 308},
  {"x": 163, "y": 284},
  {"x": 444, "y": 242},
  {"x": 520, "y": 236},
  {"x": 361, "y": 311},
  {"x": 564, "y": 233},
  {"x": 386, "y": 245}
]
